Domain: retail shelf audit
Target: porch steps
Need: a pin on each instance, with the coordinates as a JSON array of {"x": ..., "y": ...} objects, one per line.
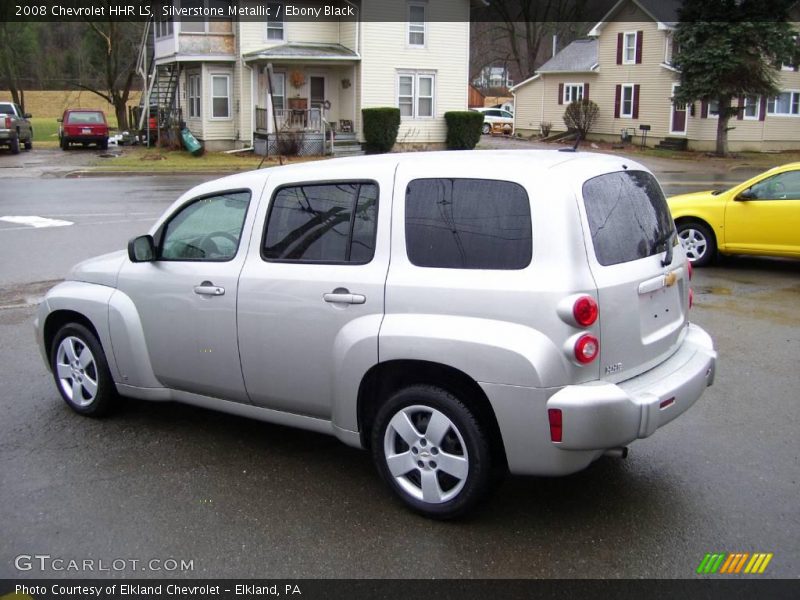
[
  {"x": 346, "y": 144},
  {"x": 671, "y": 143}
]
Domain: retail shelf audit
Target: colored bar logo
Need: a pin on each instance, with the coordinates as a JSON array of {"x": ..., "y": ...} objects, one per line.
[{"x": 734, "y": 563}]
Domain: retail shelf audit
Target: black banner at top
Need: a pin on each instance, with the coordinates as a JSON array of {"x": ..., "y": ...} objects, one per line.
[{"x": 662, "y": 11}]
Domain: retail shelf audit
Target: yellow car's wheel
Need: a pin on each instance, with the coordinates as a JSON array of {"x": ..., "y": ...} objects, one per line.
[{"x": 698, "y": 242}]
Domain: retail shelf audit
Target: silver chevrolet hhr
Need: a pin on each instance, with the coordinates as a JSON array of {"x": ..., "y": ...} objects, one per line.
[{"x": 459, "y": 314}]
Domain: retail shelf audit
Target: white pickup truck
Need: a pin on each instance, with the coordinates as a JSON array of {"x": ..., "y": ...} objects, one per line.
[{"x": 15, "y": 127}]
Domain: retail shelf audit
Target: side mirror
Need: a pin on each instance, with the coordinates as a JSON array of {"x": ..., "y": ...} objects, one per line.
[
  {"x": 747, "y": 194},
  {"x": 60, "y": 119},
  {"x": 27, "y": 116},
  {"x": 142, "y": 249}
]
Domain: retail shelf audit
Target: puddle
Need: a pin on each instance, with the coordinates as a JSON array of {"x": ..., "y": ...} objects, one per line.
[
  {"x": 712, "y": 289},
  {"x": 25, "y": 294}
]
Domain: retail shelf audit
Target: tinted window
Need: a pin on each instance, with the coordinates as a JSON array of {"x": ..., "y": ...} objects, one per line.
[
  {"x": 628, "y": 216},
  {"x": 332, "y": 223},
  {"x": 85, "y": 118},
  {"x": 207, "y": 229},
  {"x": 468, "y": 224}
]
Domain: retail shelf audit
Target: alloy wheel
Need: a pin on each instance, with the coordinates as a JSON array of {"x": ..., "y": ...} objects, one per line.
[{"x": 76, "y": 369}]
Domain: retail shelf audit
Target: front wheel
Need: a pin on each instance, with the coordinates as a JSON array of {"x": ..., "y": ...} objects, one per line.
[
  {"x": 432, "y": 451},
  {"x": 486, "y": 129},
  {"x": 81, "y": 371},
  {"x": 15, "y": 146},
  {"x": 29, "y": 143},
  {"x": 698, "y": 242}
]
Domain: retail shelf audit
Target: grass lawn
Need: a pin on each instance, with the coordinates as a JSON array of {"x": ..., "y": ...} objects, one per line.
[{"x": 148, "y": 160}]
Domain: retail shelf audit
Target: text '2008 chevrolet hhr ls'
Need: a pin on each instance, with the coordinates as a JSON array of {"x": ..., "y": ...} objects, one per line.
[{"x": 459, "y": 314}]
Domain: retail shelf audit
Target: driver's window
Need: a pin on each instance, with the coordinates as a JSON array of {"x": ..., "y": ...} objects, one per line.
[
  {"x": 778, "y": 187},
  {"x": 208, "y": 229}
]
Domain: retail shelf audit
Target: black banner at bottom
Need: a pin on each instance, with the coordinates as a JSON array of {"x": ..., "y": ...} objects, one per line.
[{"x": 407, "y": 589}]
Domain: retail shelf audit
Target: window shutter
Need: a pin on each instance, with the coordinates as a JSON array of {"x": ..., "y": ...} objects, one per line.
[
  {"x": 636, "y": 101},
  {"x": 639, "y": 38},
  {"x": 703, "y": 109},
  {"x": 586, "y": 91},
  {"x": 740, "y": 109},
  {"x": 561, "y": 93},
  {"x": 619, "y": 48},
  {"x": 617, "y": 99},
  {"x": 762, "y": 113}
]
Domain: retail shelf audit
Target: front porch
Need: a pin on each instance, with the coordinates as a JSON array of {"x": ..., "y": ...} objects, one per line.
[{"x": 305, "y": 98}]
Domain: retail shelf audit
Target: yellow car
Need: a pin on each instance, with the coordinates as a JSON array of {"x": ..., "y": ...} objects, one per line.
[{"x": 760, "y": 216}]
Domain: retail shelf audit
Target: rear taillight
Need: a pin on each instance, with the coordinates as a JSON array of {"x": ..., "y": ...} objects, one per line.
[
  {"x": 586, "y": 349},
  {"x": 689, "y": 269},
  {"x": 585, "y": 311},
  {"x": 554, "y": 416},
  {"x": 691, "y": 297},
  {"x": 6, "y": 122}
]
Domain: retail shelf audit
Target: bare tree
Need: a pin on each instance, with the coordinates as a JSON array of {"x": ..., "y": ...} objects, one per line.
[{"x": 113, "y": 50}]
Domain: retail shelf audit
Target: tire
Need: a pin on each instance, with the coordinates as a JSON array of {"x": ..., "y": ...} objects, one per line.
[
  {"x": 486, "y": 129},
  {"x": 698, "y": 242},
  {"x": 14, "y": 146},
  {"x": 64, "y": 144},
  {"x": 449, "y": 470},
  {"x": 29, "y": 143},
  {"x": 103, "y": 145},
  {"x": 83, "y": 381}
]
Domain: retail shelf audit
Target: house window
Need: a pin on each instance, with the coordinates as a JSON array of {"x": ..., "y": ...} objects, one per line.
[
  {"x": 194, "y": 95},
  {"x": 415, "y": 95},
  {"x": 279, "y": 91},
  {"x": 193, "y": 24},
  {"x": 752, "y": 107},
  {"x": 626, "y": 105},
  {"x": 672, "y": 49},
  {"x": 416, "y": 25},
  {"x": 784, "y": 104},
  {"x": 275, "y": 21},
  {"x": 790, "y": 66},
  {"x": 163, "y": 28},
  {"x": 629, "y": 48},
  {"x": 220, "y": 96},
  {"x": 573, "y": 92},
  {"x": 713, "y": 108}
]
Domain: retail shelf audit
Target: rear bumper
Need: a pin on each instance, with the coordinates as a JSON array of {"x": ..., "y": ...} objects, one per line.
[
  {"x": 600, "y": 415},
  {"x": 86, "y": 139},
  {"x": 7, "y": 135}
]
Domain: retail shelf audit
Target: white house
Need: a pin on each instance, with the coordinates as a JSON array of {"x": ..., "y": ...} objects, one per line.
[{"x": 407, "y": 54}]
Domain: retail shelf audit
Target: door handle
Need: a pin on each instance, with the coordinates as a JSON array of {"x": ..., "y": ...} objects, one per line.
[
  {"x": 343, "y": 296},
  {"x": 209, "y": 289}
]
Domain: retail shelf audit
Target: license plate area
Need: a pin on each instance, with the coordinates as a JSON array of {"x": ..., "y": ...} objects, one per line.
[
  {"x": 659, "y": 313},
  {"x": 86, "y": 130}
]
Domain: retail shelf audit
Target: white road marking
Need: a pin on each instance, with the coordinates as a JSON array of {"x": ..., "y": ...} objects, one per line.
[{"x": 37, "y": 222}]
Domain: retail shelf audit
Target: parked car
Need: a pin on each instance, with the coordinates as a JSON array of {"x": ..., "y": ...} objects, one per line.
[
  {"x": 492, "y": 116},
  {"x": 83, "y": 126},
  {"x": 15, "y": 127},
  {"x": 760, "y": 216},
  {"x": 457, "y": 314}
]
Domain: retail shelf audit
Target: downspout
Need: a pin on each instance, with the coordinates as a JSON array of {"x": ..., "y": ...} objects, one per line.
[{"x": 355, "y": 67}]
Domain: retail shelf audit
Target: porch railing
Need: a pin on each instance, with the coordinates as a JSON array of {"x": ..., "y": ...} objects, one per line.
[{"x": 289, "y": 119}]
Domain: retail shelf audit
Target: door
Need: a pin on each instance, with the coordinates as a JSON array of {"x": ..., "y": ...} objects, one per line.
[
  {"x": 311, "y": 297},
  {"x": 186, "y": 297},
  {"x": 768, "y": 220},
  {"x": 678, "y": 123},
  {"x": 316, "y": 87}
]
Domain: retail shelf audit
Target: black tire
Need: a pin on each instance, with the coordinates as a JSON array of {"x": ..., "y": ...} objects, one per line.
[
  {"x": 486, "y": 129},
  {"x": 14, "y": 146},
  {"x": 103, "y": 145},
  {"x": 82, "y": 339},
  {"x": 64, "y": 144},
  {"x": 29, "y": 143},
  {"x": 698, "y": 242},
  {"x": 462, "y": 439}
]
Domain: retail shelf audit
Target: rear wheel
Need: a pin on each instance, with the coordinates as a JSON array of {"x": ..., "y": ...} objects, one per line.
[
  {"x": 64, "y": 144},
  {"x": 81, "y": 371},
  {"x": 698, "y": 242},
  {"x": 486, "y": 128},
  {"x": 432, "y": 451},
  {"x": 103, "y": 145}
]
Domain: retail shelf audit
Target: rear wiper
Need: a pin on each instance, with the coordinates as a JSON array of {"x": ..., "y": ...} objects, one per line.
[{"x": 668, "y": 240}]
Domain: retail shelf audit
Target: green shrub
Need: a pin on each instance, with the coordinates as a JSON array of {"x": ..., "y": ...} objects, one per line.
[
  {"x": 463, "y": 129},
  {"x": 380, "y": 128}
]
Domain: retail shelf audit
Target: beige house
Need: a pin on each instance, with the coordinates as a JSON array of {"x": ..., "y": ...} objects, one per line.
[
  {"x": 323, "y": 72},
  {"x": 626, "y": 69}
]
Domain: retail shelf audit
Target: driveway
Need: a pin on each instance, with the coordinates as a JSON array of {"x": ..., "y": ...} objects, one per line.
[{"x": 50, "y": 162}]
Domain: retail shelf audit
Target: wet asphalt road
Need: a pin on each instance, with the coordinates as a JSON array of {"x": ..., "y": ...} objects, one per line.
[{"x": 247, "y": 499}]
